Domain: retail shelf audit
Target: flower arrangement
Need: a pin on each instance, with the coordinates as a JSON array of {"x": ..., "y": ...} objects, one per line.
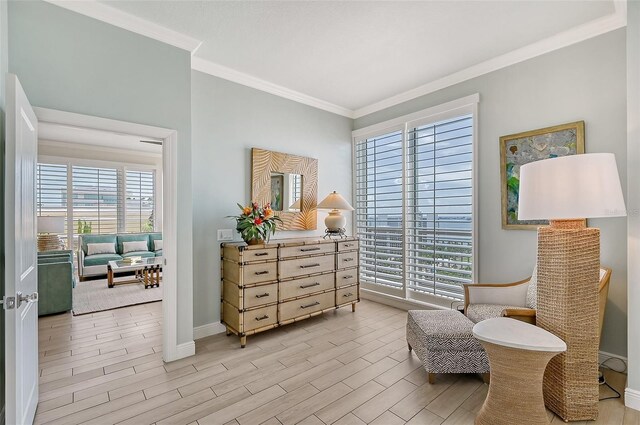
[{"x": 256, "y": 223}]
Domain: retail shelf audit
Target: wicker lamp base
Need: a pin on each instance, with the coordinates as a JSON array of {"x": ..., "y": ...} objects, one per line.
[
  {"x": 47, "y": 242},
  {"x": 568, "y": 273}
]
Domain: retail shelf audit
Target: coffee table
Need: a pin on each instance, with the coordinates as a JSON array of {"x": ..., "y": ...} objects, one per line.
[
  {"x": 518, "y": 355},
  {"x": 146, "y": 271}
]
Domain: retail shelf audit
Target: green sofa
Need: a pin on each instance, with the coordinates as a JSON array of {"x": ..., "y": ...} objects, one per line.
[
  {"x": 96, "y": 265},
  {"x": 55, "y": 282}
]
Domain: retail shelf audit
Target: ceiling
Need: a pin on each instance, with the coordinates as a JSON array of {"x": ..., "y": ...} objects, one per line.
[
  {"x": 97, "y": 138},
  {"x": 352, "y": 54}
]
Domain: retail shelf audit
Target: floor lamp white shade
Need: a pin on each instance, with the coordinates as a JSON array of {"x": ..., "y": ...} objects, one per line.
[
  {"x": 334, "y": 202},
  {"x": 571, "y": 187}
]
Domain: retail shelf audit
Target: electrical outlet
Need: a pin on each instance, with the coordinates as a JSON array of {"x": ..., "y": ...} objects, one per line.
[{"x": 225, "y": 234}]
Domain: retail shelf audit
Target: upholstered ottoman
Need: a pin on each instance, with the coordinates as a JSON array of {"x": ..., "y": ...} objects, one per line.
[{"x": 443, "y": 340}]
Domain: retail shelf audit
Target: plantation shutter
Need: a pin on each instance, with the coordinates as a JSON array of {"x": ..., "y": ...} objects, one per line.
[
  {"x": 97, "y": 206},
  {"x": 140, "y": 201},
  {"x": 439, "y": 224},
  {"x": 51, "y": 191},
  {"x": 379, "y": 208}
]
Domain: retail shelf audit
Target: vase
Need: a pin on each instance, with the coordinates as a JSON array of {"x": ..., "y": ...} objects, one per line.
[{"x": 254, "y": 241}]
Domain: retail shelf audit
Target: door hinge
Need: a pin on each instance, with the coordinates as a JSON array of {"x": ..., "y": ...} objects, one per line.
[{"x": 8, "y": 303}]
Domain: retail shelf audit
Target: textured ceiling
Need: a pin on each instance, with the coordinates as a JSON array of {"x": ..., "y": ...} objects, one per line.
[{"x": 355, "y": 53}]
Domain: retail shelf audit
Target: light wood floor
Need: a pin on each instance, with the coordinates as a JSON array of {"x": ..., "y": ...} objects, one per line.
[{"x": 341, "y": 368}]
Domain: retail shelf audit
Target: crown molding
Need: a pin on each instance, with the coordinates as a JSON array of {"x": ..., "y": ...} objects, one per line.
[
  {"x": 566, "y": 38},
  {"x": 211, "y": 68},
  {"x": 118, "y": 18}
]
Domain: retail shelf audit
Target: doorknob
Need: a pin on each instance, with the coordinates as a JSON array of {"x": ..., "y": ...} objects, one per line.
[{"x": 20, "y": 298}]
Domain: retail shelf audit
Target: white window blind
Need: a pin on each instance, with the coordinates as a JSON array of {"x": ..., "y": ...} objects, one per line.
[
  {"x": 51, "y": 190},
  {"x": 140, "y": 201},
  {"x": 379, "y": 217},
  {"x": 439, "y": 207},
  {"x": 414, "y": 207},
  {"x": 96, "y": 204}
]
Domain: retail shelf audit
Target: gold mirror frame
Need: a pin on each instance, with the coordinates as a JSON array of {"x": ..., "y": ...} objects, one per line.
[{"x": 263, "y": 163}]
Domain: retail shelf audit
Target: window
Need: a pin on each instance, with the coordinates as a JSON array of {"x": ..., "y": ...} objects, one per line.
[
  {"x": 140, "y": 201},
  {"x": 98, "y": 199},
  {"x": 414, "y": 199}
]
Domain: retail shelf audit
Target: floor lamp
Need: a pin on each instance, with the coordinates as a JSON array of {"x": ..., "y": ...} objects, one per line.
[{"x": 566, "y": 191}]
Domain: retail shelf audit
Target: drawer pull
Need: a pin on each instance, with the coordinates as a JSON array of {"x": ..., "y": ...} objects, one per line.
[
  {"x": 347, "y": 245},
  {"x": 348, "y": 295},
  {"x": 261, "y": 254},
  {"x": 310, "y": 305},
  {"x": 309, "y": 285},
  {"x": 349, "y": 276},
  {"x": 266, "y": 294},
  {"x": 317, "y": 248},
  {"x": 262, "y": 272},
  {"x": 310, "y": 265},
  {"x": 347, "y": 259},
  {"x": 266, "y": 316}
]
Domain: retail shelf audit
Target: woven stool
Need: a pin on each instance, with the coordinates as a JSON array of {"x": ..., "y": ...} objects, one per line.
[{"x": 443, "y": 341}]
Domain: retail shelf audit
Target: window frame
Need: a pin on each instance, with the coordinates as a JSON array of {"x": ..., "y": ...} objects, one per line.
[{"x": 464, "y": 106}]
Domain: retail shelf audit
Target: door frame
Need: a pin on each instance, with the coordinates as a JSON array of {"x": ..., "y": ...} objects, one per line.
[{"x": 171, "y": 350}]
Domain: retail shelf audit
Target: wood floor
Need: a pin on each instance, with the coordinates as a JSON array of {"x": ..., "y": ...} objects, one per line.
[{"x": 340, "y": 368}]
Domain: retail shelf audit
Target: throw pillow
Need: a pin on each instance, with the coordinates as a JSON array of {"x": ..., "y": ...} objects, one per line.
[
  {"x": 157, "y": 245},
  {"x": 101, "y": 248},
  {"x": 134, "y": 246},
  {"x": 532, "y": 290}
]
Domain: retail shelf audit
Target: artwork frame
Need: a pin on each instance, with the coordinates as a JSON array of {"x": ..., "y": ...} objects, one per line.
[{"x": 529, "y": 146}]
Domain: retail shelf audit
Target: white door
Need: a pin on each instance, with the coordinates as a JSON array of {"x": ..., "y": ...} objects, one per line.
[{"x": 21, "y": 272}]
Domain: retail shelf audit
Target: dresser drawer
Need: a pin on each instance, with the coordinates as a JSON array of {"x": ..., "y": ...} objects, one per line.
[
  {"x": 260, "y": 317},
  {"x": 347, "y": 295},
  {"x": 303, "y": 306},
  {"x": 347, "y": 246},
  {"x": 260, "y": 295},
  {"x": 260, "y": 272},
  {"x": 346, "y": 277},
  {"x": 249, "y": 255},
  {"x": 298, "y": 251},
  {"x": 305, "y": 266},
  {"x": 306, "y": 285},
  {"x": 347, "y": 259}
]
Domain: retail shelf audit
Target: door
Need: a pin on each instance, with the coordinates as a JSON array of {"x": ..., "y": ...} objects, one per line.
[{"x": 21, "y": 272}]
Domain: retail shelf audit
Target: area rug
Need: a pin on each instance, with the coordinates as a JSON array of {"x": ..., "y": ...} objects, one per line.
[{"x": 94, "y": 295}]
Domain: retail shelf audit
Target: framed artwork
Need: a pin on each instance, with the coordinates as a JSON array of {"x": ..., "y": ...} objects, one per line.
[{"x": 523, "y": 148}]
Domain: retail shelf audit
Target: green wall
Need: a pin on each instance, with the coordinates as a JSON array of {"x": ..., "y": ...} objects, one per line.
[
  {"x": 70, "y": 62},
  {"x": 585, "y": 81}
]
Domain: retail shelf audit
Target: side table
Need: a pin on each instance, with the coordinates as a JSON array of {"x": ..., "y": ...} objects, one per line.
[{"x": 518, "y": 355}]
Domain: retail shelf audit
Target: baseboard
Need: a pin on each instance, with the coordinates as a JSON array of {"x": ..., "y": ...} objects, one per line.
[
  {"x": 604, "y": 356},
  {"x": 187, "y": 349},
  {"x": 632, "y": 398},
  {"x": 208, "y": 330}
]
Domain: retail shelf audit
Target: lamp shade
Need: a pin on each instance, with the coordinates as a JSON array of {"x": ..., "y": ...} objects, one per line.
[
  {"x": 334, "y": 201},
  {"x": 50, "y": 224},
  {"x": 571, "y": 187}
]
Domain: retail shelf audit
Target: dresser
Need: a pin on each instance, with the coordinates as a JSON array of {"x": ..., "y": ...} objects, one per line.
[{"x": 269, "y": 285}]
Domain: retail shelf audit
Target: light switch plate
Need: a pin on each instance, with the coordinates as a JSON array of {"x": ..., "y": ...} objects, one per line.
[{"x": 225, "y": 234}]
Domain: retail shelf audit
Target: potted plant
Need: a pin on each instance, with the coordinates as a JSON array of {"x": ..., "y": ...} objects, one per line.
[{"x": 256, "y": 224}]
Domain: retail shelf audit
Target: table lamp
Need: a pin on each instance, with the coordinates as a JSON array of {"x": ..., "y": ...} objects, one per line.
[
  {"x": 566, "y": 191},
  {"x": 335, "y": 221},
  {"x": 49, "y": 228}
]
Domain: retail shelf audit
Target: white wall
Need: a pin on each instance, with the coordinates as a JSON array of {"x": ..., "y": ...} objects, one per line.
[
  {"x": 585, "y": 81},
  {"x": 51, "y": 148},
  {"x": 229, "y": 119},
  {"x": 632, "y": 396}
]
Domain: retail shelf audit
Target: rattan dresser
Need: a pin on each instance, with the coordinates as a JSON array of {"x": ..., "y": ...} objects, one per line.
[{"x": 269, "y": 285}]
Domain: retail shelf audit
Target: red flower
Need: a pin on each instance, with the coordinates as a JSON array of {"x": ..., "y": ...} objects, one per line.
[
  {"x": 255, "y": 205},
  {"x": 258, "y": 221}
]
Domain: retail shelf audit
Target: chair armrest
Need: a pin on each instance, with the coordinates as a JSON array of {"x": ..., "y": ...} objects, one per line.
[
  {"x": 527, "y": 315},
  {"x": 513, "y": 293}
]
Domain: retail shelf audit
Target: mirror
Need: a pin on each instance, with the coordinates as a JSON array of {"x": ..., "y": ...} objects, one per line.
[
  {"x": 289, "y": 183},
  {"x": 286, "y": 192}
]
